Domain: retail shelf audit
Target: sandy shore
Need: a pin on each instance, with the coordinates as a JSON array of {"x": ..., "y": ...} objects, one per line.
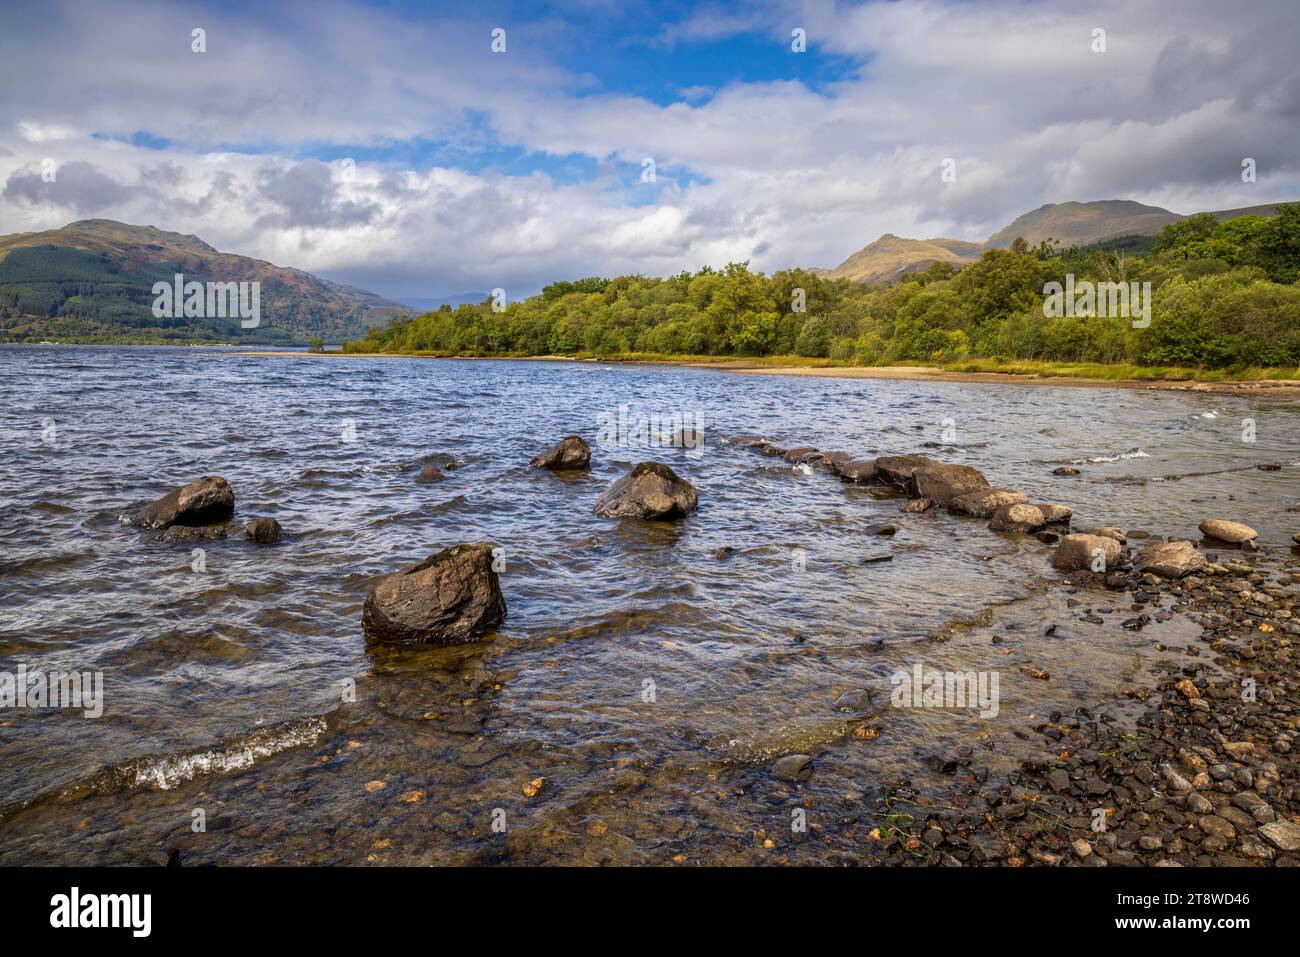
[{"x": 899, "y": 373}]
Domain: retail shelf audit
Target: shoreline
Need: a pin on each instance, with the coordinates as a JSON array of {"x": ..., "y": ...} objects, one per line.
[{"x": 1274, "y": 387}]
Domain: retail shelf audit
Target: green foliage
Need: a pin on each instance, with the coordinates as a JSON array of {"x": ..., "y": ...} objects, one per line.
[{"x": 1224, "y": 295}]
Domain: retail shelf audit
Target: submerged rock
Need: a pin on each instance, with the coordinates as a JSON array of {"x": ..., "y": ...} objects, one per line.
[
  {"x": 1169, "y": 559},
  {"x": 897, "y": 470},
  {"x": 793, "y": 767},
  {"x": 883, "y": 528},
  {"x": 192, "y": 533},
  {"x": 1234, "y": 533},
  {"x": 984, "y": 502},
  {"x": 1079, "y": 552},
  {"x": 430, "y": 473},
  {"x": 571, "y": 452},
  {"x": 1065, "y": 470},
  {"x": 651, "y": 491},
  {"x": 202, "y": 502},
  {"x": 943, "y": 483},
  {"x": 858, "y": 471},
  {"x": 449, "y": 598},
  {"x": 1017, "y": 518},
  {"x": 263, "y": 531}
]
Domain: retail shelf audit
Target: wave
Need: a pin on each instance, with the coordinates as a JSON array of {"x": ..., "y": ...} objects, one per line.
[
  {"x": 1119, "y": 457},
  {"x": 164, "y": 772}
]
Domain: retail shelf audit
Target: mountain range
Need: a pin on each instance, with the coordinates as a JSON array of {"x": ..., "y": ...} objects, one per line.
[
  {"x": 92, "y": 281},
  {"x": 1071, "y": 224}
]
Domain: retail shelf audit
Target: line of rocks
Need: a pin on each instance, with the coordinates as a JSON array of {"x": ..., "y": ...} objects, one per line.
[{"x": 1211, "y": 780}]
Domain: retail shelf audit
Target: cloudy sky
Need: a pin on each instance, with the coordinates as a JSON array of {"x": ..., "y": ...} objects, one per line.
[{"x": 386, "y": 144}]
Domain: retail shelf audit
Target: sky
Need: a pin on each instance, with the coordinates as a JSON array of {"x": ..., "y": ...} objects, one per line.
[{"x": 388, "y": 145}]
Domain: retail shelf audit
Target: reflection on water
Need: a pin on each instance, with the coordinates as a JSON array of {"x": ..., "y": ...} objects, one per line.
[{"x": 649, "y": 683}]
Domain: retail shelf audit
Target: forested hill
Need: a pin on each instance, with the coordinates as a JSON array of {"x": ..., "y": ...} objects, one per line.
[
  {"x": 1224, "y": 294},
  {"x": 92, "y": 281}
]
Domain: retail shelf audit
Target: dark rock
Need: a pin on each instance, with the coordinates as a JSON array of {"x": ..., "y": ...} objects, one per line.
[
  {"x": 943, "y": 483},
  {"x": 571, "y": 452},
  {"x": 833, "y": 460},
  {"x": 793, "y": 767},
  {"x": 449, "y": 598},
  {"x": 650, "y": 491},
  {"x": 202, "y": 502},
  {"x": 858, "y": 471},
  {"x": 1065, "y": 470},
  {"x": 877, "y": 558},
  {"x": 984, "y": 502},
  {"x": 795, "y": 454},
  {"x": 430, "y": 473},
  {"x": 858, "y": 702},
  {"x": 179, "y": 534},
  {"x": 882, "y": 529},
  {"x": 263, "y": 531},
  {"x": 726, "y": 551},
  {"x": 897, "y": 470}
]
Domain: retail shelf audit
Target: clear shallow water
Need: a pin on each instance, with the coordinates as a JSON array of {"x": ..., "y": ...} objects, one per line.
[{"x": 223, "y": 687}]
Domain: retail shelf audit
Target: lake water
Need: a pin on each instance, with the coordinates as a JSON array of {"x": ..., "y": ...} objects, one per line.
[{"x": 649, "y": 684}]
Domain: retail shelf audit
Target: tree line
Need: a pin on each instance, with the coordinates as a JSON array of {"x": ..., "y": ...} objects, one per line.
[{"x": 1223, "y": 295}]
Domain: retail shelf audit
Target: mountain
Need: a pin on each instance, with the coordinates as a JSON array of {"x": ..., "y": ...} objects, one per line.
[
  {"x": 92, "y": 281},
  {"x": 1079, "y": 224},
  {"x": 891, "y": 257},
  {"x": 1071, "y": 224}
]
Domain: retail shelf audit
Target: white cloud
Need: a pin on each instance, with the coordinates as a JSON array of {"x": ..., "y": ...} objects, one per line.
[{"x": 775, "y": 172}]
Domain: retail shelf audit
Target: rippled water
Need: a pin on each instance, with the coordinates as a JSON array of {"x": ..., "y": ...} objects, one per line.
[{"x": 647, "y": 682}]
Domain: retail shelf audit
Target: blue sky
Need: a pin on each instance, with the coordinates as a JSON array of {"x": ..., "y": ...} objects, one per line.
[{"x": 386, "y": 145}]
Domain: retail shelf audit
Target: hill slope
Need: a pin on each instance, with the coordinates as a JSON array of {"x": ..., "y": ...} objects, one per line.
[
  {"x": 1072, "y": 224},
  {"x": 1079, "y": 224},
  {"x": 891, "y": 257},
  {"x": 92, "y": 281}
]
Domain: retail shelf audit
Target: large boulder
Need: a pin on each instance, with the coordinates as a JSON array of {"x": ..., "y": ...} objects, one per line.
[
  {"x": 202, "y": 502},
  {"x": 571, "y": 452},
  {"x": 1234, "y": 533},
  {"x": 449, "y": 598},
  {"x": 897, "y": 470},
  {"x": 858, "y": 471},
  {"x": 1169, "y": 559},
  {"x": 943, "y": 483},
  {"x": 1056, "y": 514},
  {"x": 650, "y": 491},
  {"x": 982, "y": 503},
  {"x": 1078, "y": 552},
  {"x": 1017, "y": 518}
]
